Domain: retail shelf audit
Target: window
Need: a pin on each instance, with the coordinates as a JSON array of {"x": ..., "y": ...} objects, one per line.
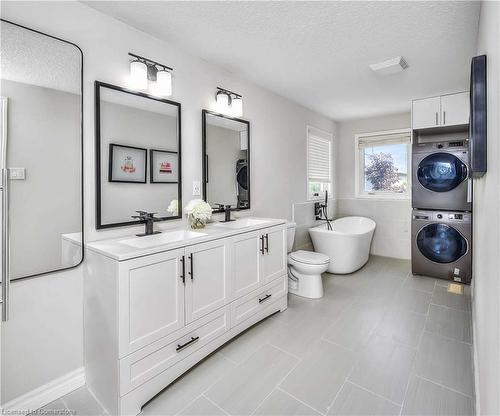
[
  {"x": 319, "y": 163},
  {"x": 382, "y": 164}
]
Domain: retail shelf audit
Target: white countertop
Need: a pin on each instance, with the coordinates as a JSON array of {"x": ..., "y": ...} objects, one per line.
[{"x": 118, "y": 249}]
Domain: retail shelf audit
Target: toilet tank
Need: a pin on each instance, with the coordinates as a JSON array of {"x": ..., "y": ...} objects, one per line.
[{"x": 290, "y": 235}]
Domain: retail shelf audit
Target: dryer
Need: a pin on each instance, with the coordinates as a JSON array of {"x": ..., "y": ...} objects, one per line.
[
  {"x": 440, "y": 178},
  {"x": 442, "y": 244}
]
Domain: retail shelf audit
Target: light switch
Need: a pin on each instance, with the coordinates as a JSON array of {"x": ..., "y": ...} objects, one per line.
[
  {"x": 17, "y": 174},
  {"x": 196, "y": 188}
]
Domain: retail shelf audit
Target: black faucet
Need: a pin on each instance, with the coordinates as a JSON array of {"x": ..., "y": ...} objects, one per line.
[
  {"x": 148, "y": 218},
  {"x": 227, "y": 212}
]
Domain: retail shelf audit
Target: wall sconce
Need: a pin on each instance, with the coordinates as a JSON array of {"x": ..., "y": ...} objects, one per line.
[
  {"x": 159, "y": 76},
  {"x": 229, "y": 102}
]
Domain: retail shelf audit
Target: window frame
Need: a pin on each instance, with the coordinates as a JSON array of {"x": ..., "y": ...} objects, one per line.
[
  {"x": 312, "y": 131},
  {"x": 376, "y": 136}
]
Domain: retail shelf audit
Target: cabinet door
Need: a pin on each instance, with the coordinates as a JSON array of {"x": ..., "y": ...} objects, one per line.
[
  {"x": 247, "y": 255},
  {"x": 455, "y": 109},
  {"x": 274, "y": 258},
  {"x": 426, "y": 112},
  {"x": 151, "y": 299},
  {"x": 207, "y": 278}
]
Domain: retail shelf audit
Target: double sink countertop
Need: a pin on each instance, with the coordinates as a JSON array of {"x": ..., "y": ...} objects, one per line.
[{"x": 129, "y": 247}]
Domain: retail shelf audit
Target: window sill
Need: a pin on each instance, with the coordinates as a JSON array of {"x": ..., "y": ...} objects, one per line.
[{"x": 405, "y": 197}]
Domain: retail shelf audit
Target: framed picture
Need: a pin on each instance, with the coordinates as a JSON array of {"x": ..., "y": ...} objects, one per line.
[
  {"x": 164, "y": 166},
  {"x": 127, "y": 164}
]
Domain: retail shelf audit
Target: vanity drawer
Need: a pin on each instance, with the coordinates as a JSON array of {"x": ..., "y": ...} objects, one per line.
[
  {"x": 249, "y": 305},
  {"x": 142, "y": 365}
]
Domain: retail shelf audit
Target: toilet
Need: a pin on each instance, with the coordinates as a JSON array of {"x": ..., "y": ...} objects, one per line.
[{"x": 304, "y": 269}]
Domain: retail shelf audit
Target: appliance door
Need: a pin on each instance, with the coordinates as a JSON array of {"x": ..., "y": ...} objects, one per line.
[
  {"x": 440, "y": 181},
  {"x": 4, "y": 187},
  {"x": 441, "y": 243}
]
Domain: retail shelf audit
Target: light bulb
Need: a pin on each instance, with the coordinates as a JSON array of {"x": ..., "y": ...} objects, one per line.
[
  {"x": 138, "y": 75},
  {"x": 237, "y": 106},
  {"x": 163, "y": 83},
  {"x": 222, "y": 102}
]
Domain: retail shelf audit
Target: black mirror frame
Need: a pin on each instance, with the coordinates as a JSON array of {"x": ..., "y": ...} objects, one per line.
[
  {"x": 204, "y": 114},
  {"x": 82, "y": 162},
  {"x": 97, "y": 87}
]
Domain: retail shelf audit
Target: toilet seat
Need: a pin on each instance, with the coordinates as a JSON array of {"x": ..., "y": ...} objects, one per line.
[{"x": 309, "y": 257}]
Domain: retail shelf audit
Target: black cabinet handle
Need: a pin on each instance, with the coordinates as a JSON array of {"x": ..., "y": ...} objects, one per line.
[
  {"x": 191, "y": 273},
  {"x": 264, "y": 298},
  {"x": 183, "y": 273},
  {"x": 187, "y": 344},
  {"x": 267, "y": 243},
  {"x": 262, "y": 244}
]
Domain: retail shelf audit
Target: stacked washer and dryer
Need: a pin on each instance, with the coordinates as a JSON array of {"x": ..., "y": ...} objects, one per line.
[{"x": 442, "y": 210}]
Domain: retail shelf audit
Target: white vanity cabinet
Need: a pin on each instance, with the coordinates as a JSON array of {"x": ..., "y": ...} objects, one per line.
[{"x": 150, "y": 316}]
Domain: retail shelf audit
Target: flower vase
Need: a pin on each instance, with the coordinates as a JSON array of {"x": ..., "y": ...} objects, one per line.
[{"x": 196, "y": 223}]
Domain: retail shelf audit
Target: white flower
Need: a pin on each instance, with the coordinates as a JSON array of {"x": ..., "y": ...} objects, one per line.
[
  {"x": 173, "y": 208},
  {"x": 198, "y": 209}
]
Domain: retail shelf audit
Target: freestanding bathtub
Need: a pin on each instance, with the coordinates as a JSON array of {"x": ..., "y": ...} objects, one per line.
[{"x": 347, "y": 245}]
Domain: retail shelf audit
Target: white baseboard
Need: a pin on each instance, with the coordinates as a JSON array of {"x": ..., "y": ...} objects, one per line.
[{"x": 47, "y": 393}]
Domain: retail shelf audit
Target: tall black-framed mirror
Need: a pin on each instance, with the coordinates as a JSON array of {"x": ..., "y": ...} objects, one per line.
[
  {"x": 41, "y": 131},
  {"x": 226, "y": 160},
  {"x": 138, "y": 156}
]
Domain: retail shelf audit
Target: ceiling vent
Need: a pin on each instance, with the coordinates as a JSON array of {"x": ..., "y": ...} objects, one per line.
[{"x": 390, "y": 66}]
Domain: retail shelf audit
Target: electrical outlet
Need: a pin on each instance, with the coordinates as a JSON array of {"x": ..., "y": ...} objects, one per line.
[
  {"x": 196, "y": 188},
  {"x": 17, "y": 174}
]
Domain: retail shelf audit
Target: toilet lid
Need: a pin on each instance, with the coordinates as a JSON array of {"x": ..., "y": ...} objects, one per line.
[{"x": 309, "y": 257}]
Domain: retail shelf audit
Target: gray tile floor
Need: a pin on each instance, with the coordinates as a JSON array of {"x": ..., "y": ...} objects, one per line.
[{"x": 381, "y": 342}]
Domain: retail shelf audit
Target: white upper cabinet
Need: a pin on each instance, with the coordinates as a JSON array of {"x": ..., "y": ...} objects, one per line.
[
  {"x": 455, "y": 109},
  {"x": 426, "y": 113},
  {"x": 207, "y": 278},
  {"x": 443, "y": 111}
]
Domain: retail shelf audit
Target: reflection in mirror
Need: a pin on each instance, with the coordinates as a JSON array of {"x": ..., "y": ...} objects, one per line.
[
  {"x": 138, "y": 156},
  {"x": 41, "y": 89},
  {"x": 226, "y": 165}
]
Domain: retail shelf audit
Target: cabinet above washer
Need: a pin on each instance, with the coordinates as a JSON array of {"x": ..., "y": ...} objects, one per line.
[{"x": 449, "y": 110}]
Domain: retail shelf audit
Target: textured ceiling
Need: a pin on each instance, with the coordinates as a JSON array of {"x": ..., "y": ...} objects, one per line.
[
  {"x": 317, "y": 53},
  {"x": 32, "y": 58}
]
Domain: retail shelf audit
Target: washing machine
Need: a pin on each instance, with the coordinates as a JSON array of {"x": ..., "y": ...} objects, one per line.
[
  {"x": 441, "y": 178},
  {"x": 442, "y": 244},
  {"x": 242, "y": 183}
]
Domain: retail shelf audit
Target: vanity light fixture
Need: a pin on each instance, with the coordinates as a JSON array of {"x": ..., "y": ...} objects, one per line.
[
  {"x": 144, "y": 72},
  {"x": 228, "y": 102}
]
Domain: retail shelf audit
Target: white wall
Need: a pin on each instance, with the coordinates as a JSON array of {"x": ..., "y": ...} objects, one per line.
[
  {"x": 486, "y": 260},
  {"x": 392, "y": 235},
  {"x": 278, "y": 143}
]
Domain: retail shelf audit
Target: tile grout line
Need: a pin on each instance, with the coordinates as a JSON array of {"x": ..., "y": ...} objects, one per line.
[
  {"x": 279, "y": 382},
  {"x": 443, "y": 386},
  {"x": 416, "y": 356},
  {"x": 375, "y": 394},
  {"x": 215, "y": 404},
  {"x": 300, "y": 401}
]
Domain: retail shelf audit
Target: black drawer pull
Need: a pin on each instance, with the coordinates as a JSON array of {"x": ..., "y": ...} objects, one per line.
[
  {"x": 191, "y": 273},
  {"x": 262, "y": 244},
  {"x": 264, "y": 298},
  {"x": 183, "y": 273},
  {"x": 267, "y": 243},
  {"x": 187, "y": 344}
]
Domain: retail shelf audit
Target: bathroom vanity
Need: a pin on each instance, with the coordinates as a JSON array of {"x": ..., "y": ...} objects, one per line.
[{"x": 156, "y": 305}]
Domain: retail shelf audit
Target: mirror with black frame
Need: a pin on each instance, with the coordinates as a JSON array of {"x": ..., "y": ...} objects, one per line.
[
  {"x": 40, "y": 152},
  {"x": 226, "y": 161},
  {"x": 138, "y": 156}
]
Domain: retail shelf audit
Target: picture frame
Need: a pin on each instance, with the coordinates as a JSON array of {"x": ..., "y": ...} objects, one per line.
[
  {"x": 164, "y": 166},
  {"x": 127, "y": 164}
]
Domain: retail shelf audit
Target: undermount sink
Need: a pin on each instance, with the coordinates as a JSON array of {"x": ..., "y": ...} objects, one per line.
[
  {"x": 166, "y": 237},
  {"x": 243, "y": 223}
]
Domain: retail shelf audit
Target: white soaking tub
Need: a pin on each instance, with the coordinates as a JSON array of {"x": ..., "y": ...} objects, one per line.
[{"x": 347, "y": 245}]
